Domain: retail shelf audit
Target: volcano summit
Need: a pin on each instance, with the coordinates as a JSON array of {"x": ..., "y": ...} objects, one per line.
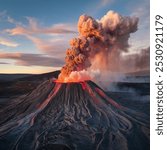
[{"x": 71, "y": 116}]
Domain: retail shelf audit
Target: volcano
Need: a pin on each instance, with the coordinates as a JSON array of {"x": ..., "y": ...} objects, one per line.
[{"x": 71, "y": 116}]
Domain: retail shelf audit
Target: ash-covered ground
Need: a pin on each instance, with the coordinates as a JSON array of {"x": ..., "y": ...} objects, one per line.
[{"x": 36, "y": 113}]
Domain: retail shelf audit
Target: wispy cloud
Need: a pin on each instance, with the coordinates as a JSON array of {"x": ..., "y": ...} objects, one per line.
[
  {"x": 2, "y": 14},
  {"x": 13, "y": 21},
  {"x": 34, "y": 27},
  {"x": 7, "y": 42},
  {"x": 51, "y": 47},
  {"x": 141, "y": 38},
  {"x": 143, "y": 12},
  {"x": 105, "y": 2},
  {"x": 99, "y": 6},
  {"x": 138, "y": 61},
  {"x": 25, "y": 59},
  {"x": 4, "y": 63},
  {"x": 6, "y": 18},
  {"x": 51, "y": 40}
]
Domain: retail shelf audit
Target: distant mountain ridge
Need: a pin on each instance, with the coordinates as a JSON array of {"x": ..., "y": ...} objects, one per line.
[
  {"x": 21, "y": 77},
  {"x": 14, "y": 84},
  {"x": 11, "y": 77}
]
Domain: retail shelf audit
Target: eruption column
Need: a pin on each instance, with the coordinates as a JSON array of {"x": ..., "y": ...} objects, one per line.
[{"x": 98, "y": 46}]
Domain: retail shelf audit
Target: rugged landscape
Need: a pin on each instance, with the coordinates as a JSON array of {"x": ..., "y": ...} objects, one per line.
[{"x": 36, "y": 112}]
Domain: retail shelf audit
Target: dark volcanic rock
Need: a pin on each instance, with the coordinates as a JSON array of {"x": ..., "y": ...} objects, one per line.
[{"x": 71, "y": 116}]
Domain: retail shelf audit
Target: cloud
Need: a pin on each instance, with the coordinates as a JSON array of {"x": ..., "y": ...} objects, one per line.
[
  {"x": 3, "y": 63},
  {"x": 13, "y": 21},
  {"x": 106, "y": 2},
  {"x": 4, "y": 17},
  {"x": 51, "y": 46},
  {"x": 2, "y": 14},
  {"x": 8, "y": 43},
  {"x": 142, "y": 37},
  {"x": 25, "y": 59},
  {"x": 137, "y": 61},
  {"x": 142, "y": 59},
  {"x": 34, "y": 27},
  {"x": 51, "y": 40},
  {"x": 143, "y": 13}
]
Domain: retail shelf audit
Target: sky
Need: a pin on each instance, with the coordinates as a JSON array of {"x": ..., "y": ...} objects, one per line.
[{"x": 34, "y": 34}]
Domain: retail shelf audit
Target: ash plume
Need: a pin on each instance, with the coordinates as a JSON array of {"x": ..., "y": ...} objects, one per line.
[{"x": 99, "y": 44}]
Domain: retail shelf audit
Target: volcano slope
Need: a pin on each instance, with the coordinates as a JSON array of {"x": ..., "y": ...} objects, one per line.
[{"x": 71, "y": 116}]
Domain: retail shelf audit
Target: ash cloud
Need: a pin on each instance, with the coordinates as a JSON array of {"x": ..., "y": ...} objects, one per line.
[{"x": 99, "y": 44}]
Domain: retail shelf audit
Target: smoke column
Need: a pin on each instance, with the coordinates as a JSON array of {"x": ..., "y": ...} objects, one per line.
[{"x": 98, "y": 45}]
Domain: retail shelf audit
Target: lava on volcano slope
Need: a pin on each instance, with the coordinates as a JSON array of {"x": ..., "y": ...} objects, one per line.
[{"x": 74, "y": 116}]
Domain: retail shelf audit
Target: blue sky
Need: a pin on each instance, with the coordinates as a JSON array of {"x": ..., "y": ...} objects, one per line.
[{"x": 50, "y": 24}]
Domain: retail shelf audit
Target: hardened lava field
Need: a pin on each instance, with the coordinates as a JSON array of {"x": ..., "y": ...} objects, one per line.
[{"x": 73, "y": 116}]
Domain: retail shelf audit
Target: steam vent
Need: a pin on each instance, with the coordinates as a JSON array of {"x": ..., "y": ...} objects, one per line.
[{"x": 71, "y": 116}]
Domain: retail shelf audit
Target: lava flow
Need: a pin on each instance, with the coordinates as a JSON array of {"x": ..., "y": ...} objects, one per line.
[{"x": 71, "y": 116}]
